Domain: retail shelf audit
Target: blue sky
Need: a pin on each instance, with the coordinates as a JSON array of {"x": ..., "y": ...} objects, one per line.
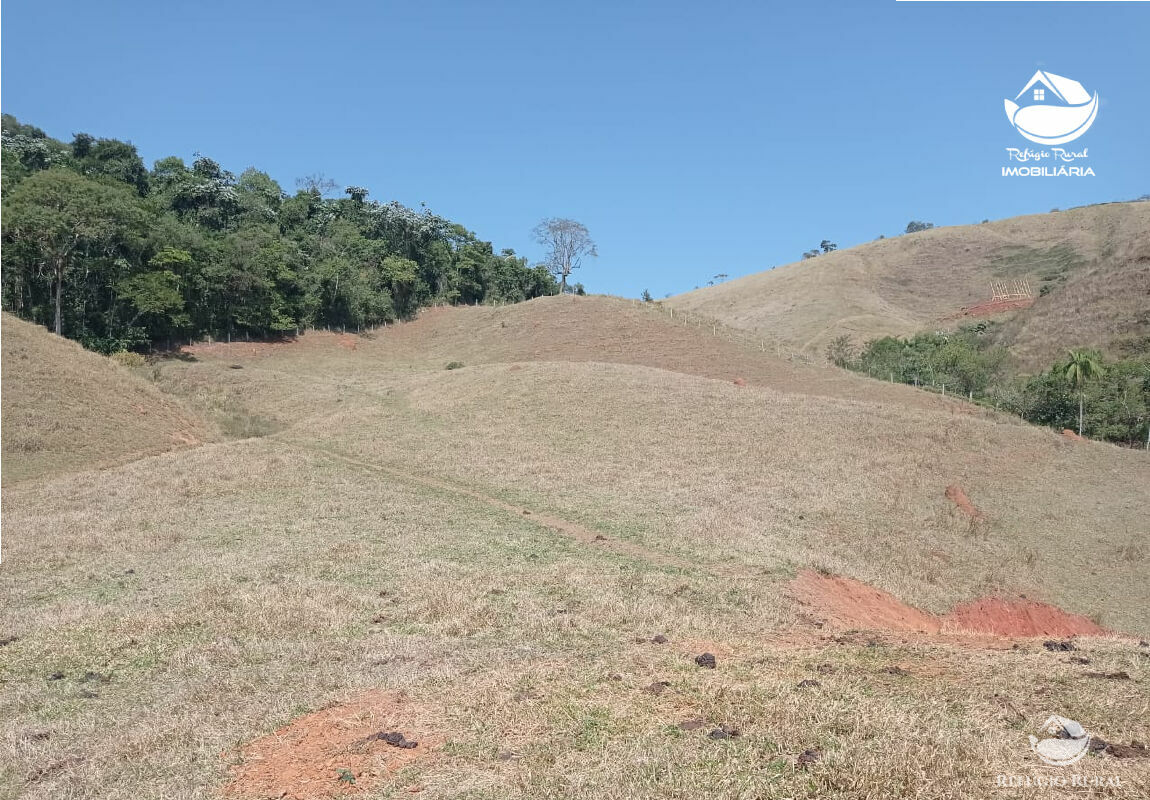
[{"x": 691, "y": 138}]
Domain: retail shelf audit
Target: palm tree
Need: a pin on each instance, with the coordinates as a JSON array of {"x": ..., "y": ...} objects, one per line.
[{"x": 1082, "y": 367}]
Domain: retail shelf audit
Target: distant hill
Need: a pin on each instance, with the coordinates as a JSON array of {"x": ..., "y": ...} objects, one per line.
[
  {"x": 67, "y": 409},
  {"x": 565, "y": 329},
  {"x": 1088, "y": 269}
]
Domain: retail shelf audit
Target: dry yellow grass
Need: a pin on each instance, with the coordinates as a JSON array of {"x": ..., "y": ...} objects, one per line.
[
  {"x": 66, "y": 408},
  {"x": 374, "y": 538},
  {"x": 554, "y": 329},
  {"x": 1098, "y": 260}
]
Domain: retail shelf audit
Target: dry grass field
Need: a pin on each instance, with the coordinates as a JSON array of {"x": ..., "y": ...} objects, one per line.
[
  {"x": 1093, "y": 261},
  {"x": 66, "y": 408},
  {"x": 515, "y": 563}
]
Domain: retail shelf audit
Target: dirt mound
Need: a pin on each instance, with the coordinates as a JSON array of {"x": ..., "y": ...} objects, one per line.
[
  {"x": 956, "y": 495},
  {"x": 1021, "y": 617},
  {"x": 339, "y": 751},
  {"x": 1071, "y": 435},
  {"x": 847, "y": 603},
  {"x": 853, "y": 604}
]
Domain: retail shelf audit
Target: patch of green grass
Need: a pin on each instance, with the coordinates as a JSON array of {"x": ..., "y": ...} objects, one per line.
[{"x": 1050, "y": 264}]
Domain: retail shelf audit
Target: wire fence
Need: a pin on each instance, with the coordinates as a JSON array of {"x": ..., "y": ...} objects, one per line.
[{"x": 751, "y": 340}]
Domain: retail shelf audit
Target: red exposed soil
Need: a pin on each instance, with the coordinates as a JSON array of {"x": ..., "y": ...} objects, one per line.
[
  {"x": 305, "y": 759},
  {"x": 956, "y": 495},
  {"x": 847, "y": 603},
  {"x": 1071, "y": 435},
  {"x": 1021, "y": 617},
  {"x": 852, "y": 604},
  {"x": 992, "y": 307}
]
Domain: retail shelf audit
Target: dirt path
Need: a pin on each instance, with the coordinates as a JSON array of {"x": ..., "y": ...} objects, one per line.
[
  {"x": 566, "y": 527},
  {"x": 844, "y": 602}
]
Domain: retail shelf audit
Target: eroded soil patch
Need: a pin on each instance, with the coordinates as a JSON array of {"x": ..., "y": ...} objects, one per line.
[
  {"x": 956, "y": 495},
  {"x": 847, "y": 603},
  {"x": 1018, "y": 617},
  {"x": 339, "y": 751}
]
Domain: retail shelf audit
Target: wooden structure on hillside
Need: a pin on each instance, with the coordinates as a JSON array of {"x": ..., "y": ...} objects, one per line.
[{"x": 1010, "y": 290}]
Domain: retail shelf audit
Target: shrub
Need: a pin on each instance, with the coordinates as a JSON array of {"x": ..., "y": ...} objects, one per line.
[
  {"x": 841, "y": 351},
  {"x": 126, "y": 358},
  {"x": 454, "y": 365}
]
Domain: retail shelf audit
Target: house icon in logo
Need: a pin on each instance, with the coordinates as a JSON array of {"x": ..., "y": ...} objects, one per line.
[{"x": 1052, "y": 109}]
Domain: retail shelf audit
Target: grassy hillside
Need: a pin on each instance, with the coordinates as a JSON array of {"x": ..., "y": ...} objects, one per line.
[
  {"x": 560, "y": 329},
  {"x": 68, "y": 409},
  {"x": 1093, "y": 262},
  {"x": 483, "y": 557}
]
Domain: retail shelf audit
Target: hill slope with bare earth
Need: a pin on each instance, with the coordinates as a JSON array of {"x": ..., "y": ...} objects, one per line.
[
  {"x": 1093, "y": 264},
  {"x": 66, "y": 408}
]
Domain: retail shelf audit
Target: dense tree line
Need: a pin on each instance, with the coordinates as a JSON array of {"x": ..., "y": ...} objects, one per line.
[
  {"x": 117, "y": 256},
  {"x": 1103, "y": 398}
]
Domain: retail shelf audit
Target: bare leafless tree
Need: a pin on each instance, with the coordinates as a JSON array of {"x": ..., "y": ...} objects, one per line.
[
  {"x": 318, "y": 183},
  {"x": 567, "y": 242}
]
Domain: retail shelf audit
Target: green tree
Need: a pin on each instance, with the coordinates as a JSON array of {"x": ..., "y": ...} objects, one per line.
[
  {"x": 112, "y": 158},
  {"x": 1082, "y": 367},
  {"x": 401, "y": 277},
  {"x": 116, "y": 256},
  {"x": 64, "y": 217}
]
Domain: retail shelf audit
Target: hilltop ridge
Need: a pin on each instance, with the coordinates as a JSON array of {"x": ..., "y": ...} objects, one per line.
[{"x": 1088, "y": 268}]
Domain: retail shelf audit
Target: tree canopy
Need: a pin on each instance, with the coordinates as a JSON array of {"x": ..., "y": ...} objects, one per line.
[
  {"x": 117, "y": 256},
  {"x": 1104, "y": 399}
]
